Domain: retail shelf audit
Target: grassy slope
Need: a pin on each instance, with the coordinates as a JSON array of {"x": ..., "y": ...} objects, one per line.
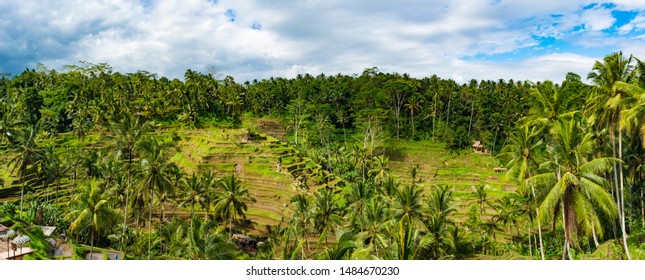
[
  {"x": 437, "y": 166},
  {"x": 220, "y": 149}
]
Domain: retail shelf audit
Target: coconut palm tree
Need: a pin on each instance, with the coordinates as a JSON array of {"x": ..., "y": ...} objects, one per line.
[
  {"x": 28, "y": 155},
  {"x": 380, "y": 171},
  {"x": 325, "y": 212},
  {"x": 413, "y": 103},
  {"x": 440, "y": 202},
  {"x": 574, "y": 182},
  {"x": 10, "y": 122},
  {"x": 604, "y": 109},
  {"x": 210, "y": 182},
  {"x": 301, "y": 216},
  {"x": 359, "y": 194},
  {"x": 154, "y": 175},
  {"x": 407, "y": 239},
  {"x": 374, "y": 224},
  {"x": 127, "y": 131},
  {"x": 522, "y": 156},
  {"x": 480, "y": 197},
  {"x": 204, "y": 241},
  {"x": 633, "y": 120},
  {"x": 346, "y": 243},
  {"x": 408, "y": 204},
  {"x": 194, "y": 193},
  {"x": 232, "y": 201},
  {"x": 90, "y": 209}
]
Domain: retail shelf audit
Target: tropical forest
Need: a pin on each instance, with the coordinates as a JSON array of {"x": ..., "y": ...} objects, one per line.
[{"x": 98, "y": 164}]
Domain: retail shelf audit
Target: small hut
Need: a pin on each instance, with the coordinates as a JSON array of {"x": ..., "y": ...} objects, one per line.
[
  {"x": 245, "y": 243},
  {"x": 478, "y": 148}
]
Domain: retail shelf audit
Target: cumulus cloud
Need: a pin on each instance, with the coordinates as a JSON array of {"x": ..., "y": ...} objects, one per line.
[{"x": 259, "y": 39}]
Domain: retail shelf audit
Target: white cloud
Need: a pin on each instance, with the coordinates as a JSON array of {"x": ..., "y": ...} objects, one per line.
[{"x": 296, "y": 37}]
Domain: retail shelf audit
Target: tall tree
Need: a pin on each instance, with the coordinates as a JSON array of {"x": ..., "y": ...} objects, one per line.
[
  {"x": 154, "y": 175},
  {"x": 522, "y": 156},
  {"x": 232, "y": 201},
  {"x": 90, "y": 209},
  {"x": 28, "y": 155},
  {"x": 575, "y": 183},
  {"x": 605, "y": 106}
]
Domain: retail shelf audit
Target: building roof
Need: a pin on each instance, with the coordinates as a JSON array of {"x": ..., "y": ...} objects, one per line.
[
  {"x": 477, "y": 144},
  {"x": 47, "y": 231}
]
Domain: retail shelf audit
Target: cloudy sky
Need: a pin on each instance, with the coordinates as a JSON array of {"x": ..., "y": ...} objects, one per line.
[{"x": 256, "y": 39}]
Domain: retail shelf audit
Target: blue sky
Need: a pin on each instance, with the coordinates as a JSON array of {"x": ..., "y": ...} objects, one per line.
[{"x": 256, "y": 39}]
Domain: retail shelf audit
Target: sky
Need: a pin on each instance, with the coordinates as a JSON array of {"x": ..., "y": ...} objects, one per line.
[{"x": 257, "y": 39}]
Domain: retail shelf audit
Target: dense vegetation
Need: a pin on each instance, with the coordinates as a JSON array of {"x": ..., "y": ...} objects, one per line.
[{"x": 573, "y": 150}]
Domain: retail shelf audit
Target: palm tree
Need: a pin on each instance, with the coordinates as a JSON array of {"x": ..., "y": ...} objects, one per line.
[
  {"x": 9, "y": 122},
  {"x": 231, "y": 203},
  {"x": 357, "y": 197},
  {"x": 480, "y": 197},
  {"x": 575, "y": 183},
  {"x": 521, "y": 153},
  {"x": 605, "y": 108},
  {"x": 633, "y": 121},
  {"x": 209, "y": 180},
  {"x": 509, "y": 210},
  {"x": 548, "y": 103},
  {"x": 28, "y": 156},
  {"x": 632, "y": 118},
  {"x": 301, "y": 216},
  {"x": 407, "y": 241},
  {"x": 440, "y": 202},
  {"x": 407, "y": 204},
  {"x": 345, "y": 244},
  {"x": 374, "y": 224},
  {"x": 194, "y": 193},
  {"x": 90, "y": 209},
  {"x": 54, "y": 170},
  {"x": 154, "y": 175},
  {"x": 204, "y": 241},
  {"x": 380, "y": 170},
  {"x": 325, "y": 212},
  {"x": 413, "y": 103},
  {"x": 128, "y": 132}
]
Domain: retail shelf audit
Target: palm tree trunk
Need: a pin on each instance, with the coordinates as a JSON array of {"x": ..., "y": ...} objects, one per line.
[
  {"x": 622, "y": 192},
  {"x": 494, "y": 142},
  {"x": 530, "y": 247},
  {"x": 448, "y": 114},
  {"x": 537, "y": 213},
  {"x": 595, "y": 239},
  {"x": 566, "y": 250},
  {"x": 412, "y": 112},
  {"x": 230, "y": 227},
  {"x": 125, "y": 211},
  {"x": 617, "y": 191},
  {"x": 434, "y": 116},
  {"x": 22, "y": 193},
  {"x": 150, "y": 225},
  {"x": 642, "y": 209},
  {"x": 470, "y": 123},
  {"x": 92, "y": 244}
]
